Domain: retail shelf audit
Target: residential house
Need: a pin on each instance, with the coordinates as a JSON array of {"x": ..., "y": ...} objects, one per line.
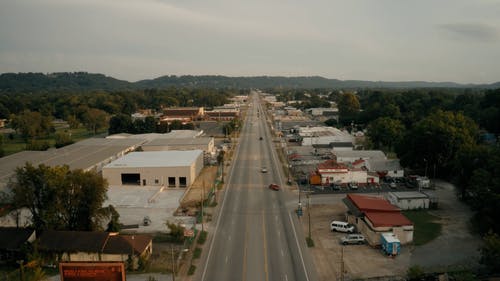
[{"x": 85, "y": 246}]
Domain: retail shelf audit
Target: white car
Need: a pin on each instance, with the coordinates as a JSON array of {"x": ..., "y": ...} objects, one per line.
[
  {"x": 353, "y": 239},
  {"x": 263, "y": 170}
]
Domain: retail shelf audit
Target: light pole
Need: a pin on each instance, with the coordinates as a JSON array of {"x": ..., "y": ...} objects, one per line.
[{"x": 309, "y": 213}]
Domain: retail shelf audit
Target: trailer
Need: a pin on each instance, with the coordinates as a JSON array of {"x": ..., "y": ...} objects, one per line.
[{"x": 391, "y": 246}]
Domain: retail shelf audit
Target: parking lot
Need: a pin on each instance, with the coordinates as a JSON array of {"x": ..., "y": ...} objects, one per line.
[{"x": 455, "y": 247}]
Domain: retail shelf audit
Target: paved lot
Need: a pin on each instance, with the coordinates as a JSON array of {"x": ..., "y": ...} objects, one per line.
[
  {"x": 133, "y": 203},
  {"x": 455, "y": 247}
]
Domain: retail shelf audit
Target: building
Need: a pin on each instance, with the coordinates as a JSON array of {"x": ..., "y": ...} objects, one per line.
[
  {"x": 12, "y": 242},
  {"x": 385, "y": 167},
  {"x": 323, "y": 135},
  {"x": 349, "y": 156},
  {"x": 165, "y": 144},
  {"x": 373, "y": 216},
  {"x": 183, "y": 114},
  {"x": 332, "y": 172},
  {"x": 155, "y": 168},
  {"x": 409, "y": 200},
  {"x": 86, "y": 246}
]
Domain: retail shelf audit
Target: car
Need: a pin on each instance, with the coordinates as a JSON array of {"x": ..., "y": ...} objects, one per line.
[
  {"x": 335, "y": 186},
  {"x": 274, "y": 186},
  {"x": 263, "y": 170},
  {"x": 353, "y": 239},
  {"x": 393, "y": 185},
  {"x": 260, "y": 138},
  {"x": 341, "y": 226},
  {"x": 353, "y": 185}
]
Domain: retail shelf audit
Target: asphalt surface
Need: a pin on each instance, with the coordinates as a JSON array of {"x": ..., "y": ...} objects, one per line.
[{"x": 256, "y": 235}]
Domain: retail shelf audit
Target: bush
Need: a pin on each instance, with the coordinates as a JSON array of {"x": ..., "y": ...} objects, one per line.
[
  {"x": 192, "y": 269},
  {"x": 415, "y": 273},
  {"x": 37, "y": 145},
  {"x": 202, "y": 238},
  {"x": 197, "y": 253}
]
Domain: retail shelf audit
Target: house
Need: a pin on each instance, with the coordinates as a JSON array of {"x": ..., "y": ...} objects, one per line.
[
  {"x": 12, "y": 242},
  {"x": 385, "y": 167},
  {"x": 85, "y": 246},
  {"x": 373, "y": 216}
]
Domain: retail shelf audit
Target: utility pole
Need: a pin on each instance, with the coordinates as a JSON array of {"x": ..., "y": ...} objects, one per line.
[
  {"x": 309, "y": 213},
  {"x": 202, "y": 203},
  {"x": 173, "y": 262}
]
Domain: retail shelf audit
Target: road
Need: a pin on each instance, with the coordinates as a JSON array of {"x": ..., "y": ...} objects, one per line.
[{"x": 256, "y": 235}]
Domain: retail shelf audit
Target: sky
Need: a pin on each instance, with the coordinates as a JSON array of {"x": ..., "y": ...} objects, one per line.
[{"x": 376, "y": 40}]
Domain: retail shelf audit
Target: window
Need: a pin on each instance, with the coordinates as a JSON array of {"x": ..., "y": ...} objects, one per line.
[
  {"x": 171, "y": 181},
  {"x": 182, "y": 182}
]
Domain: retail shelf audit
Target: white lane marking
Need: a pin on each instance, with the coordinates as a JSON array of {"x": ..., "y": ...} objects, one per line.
[
  {"x": 279, "y": 233},
  {"x": 286, "y": 277},
  {"x": 229, "y": 237},
  {"x": 226, "y": 259},
  {"x": 282, "y": 253},
  {"x": 276, "y": 217},
  {"x": 298, "y": 246}
]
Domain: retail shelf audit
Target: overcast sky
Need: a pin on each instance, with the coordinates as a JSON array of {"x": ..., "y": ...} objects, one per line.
[{"x": 390, "y": 40}]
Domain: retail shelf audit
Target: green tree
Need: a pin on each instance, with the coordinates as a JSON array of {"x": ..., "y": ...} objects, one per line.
[
  {"x": 95, "y": 119},
  {"x": 385, "y": 131},
  {"x": 490, "y": 253},
  {"x": 120, "y": 123},
  {"x": 31, "y": 124},
  {"x": 59, "y": 198},
  {"x": 63, "y": 139},
  {"x": 73, "y": 122},
  {"x": 349, "y": 106},
  {"x": 436, "y": 141}
]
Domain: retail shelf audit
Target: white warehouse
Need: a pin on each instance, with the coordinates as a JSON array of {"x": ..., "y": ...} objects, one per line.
[{"x": 175, "y": 169}]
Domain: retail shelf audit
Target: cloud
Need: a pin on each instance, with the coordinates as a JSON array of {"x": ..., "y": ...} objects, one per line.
[{"x": 471, "y": 31}]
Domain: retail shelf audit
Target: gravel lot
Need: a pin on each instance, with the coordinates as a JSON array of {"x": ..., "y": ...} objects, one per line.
[{"x": 455, "y": 247}]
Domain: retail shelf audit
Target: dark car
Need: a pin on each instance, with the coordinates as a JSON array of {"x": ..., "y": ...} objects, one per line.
[
  {"x": 274, "y": 186},
  {"x": 260, "y": 138}
]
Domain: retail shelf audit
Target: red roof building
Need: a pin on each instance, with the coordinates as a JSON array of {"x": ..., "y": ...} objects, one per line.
[{"x": 375, "y": 215}]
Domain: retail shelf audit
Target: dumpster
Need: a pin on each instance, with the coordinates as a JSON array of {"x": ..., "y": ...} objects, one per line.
[{"x": 391, "y": 246}]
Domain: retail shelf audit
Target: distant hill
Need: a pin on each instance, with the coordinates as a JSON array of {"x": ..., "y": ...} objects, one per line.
[
  {"x": 63, "y": 81},
  {"x": 83, "y": 81}
]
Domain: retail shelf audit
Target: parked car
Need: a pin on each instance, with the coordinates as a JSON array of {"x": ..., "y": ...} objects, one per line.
[
  {"x": 341, "y": 226},
  {"x": 393, "y": 185},
  {"x": 263, "y": 170},
  {"x": 353, "y": 239},
  {"x": 274, "y": 186},
  {"x": 353, "y": 185},
  {"x": 260, "y": 138}
]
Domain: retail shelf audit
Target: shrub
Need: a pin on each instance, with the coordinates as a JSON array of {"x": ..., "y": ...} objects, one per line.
[
  {"x": 197, "y": 253},
  {"x": 202, "y": 238},
  {"x": 310, "y": 242},
  {"x": 192, "y": 269}
]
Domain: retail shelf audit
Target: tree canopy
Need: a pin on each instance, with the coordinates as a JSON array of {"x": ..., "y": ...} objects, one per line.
[{"x": 60, "y": 198}]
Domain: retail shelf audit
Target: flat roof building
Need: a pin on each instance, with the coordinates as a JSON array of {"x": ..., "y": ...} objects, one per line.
[{"x": 155, "y": 168}]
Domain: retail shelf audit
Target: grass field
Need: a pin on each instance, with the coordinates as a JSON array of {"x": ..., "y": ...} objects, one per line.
[
  {"x": 426, "y": 226},
  {"x": 17, "y": 144}
]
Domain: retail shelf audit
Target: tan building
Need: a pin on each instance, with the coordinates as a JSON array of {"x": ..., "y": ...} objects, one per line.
[
  {"x": 165, "y": 144},
  {"x": 155, "y": 168}
]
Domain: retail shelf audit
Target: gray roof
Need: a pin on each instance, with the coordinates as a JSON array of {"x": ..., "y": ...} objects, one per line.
[
  {"x": 81, "y": 155},
  {"x": 383, "y": 165},
  {"x": 156, "y": 159},
  {"x": 410, "y": 195},
  {"x": 372, "y": 154},
  {"x": 178, "y": 141}
]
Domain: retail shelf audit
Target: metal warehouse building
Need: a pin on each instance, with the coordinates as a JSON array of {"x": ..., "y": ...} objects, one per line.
[{"x": 155, "y": 168}]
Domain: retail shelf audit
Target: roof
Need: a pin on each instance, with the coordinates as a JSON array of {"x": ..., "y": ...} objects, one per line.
[
  {"x": 171, "y": 158},
  {"x": 380, "y": 219},
  {"x": 81, "y": 155},
  {"x": 331, "y": 164},
  {"x": 118, "y": 244},
  {"x": 12, "y": 238},
  {"x": 369, "y": 154},
  {"x": 73, "y": 241},
  {"x": 178, "y": 141},
  {"x": 370, "y": 203},
  {"x": 184, "y": 111},
  {"x": 93, "y": 242},
  {"x": 383, "y": 164},
  {"x": 410, "y": 195}
]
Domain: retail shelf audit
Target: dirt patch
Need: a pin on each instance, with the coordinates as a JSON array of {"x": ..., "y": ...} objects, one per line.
[
  {"x": 200, "y": 188},
  {"x": 357, "y": 261}
]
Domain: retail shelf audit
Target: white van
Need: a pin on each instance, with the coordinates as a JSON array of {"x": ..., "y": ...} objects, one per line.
[{"x": 341, "y": 226}]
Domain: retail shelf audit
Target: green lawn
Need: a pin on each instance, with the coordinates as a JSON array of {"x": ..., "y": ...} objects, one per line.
[
  {"x": 426, "y": 226},
  {"x": 17, "y": 144}
]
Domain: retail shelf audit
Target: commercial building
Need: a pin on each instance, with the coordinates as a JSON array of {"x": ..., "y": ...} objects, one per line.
[
  {"x": 175, "y": 169},
  {"x": 409, "y": 200}
]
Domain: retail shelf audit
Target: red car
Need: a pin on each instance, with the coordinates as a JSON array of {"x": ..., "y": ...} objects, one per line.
[{"x": 274, "y": 186}]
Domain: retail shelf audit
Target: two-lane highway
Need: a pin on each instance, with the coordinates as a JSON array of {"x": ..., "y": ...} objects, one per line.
[{"x": 254, "y": 236}]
